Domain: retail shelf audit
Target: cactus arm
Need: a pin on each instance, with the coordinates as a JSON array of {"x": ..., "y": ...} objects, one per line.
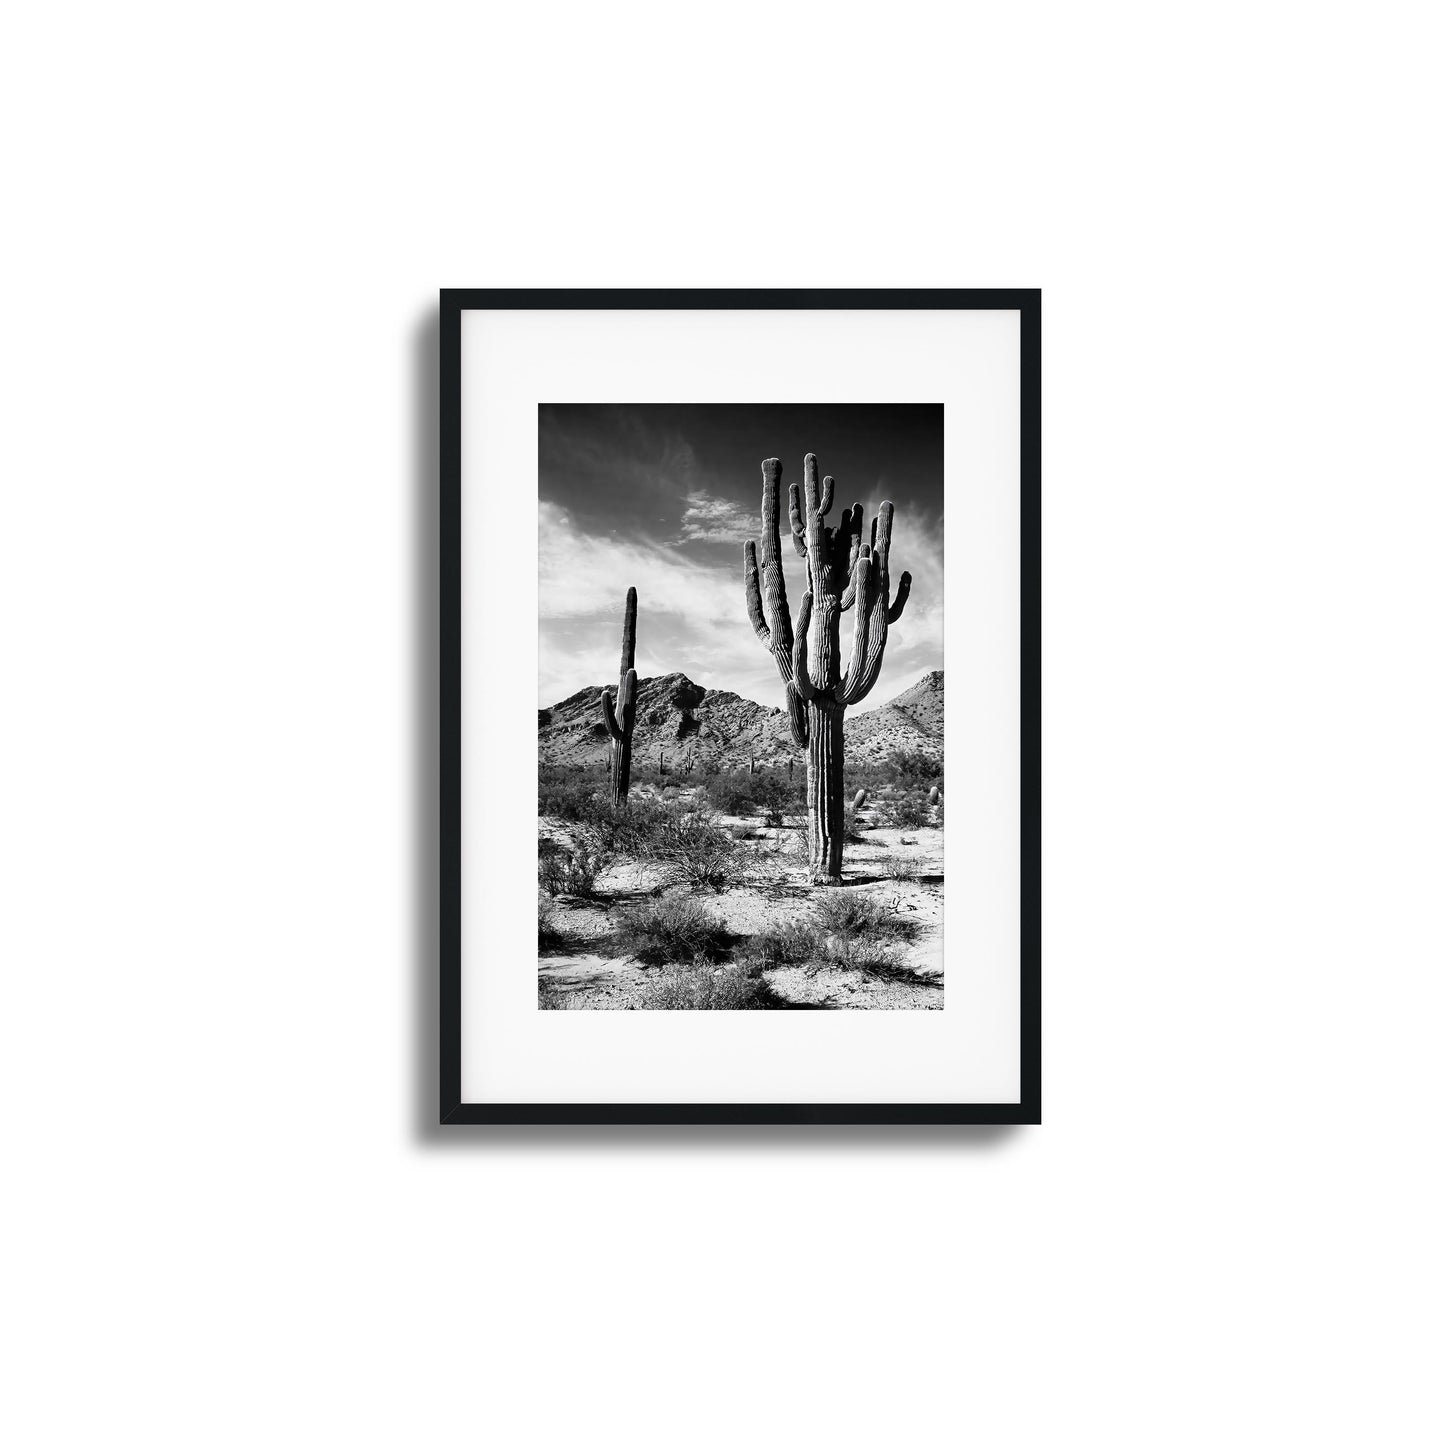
[
  {"x": 801, "y": 680},
  {"x": 797, "y": 718},
  {"x": 609, "y": 718},
  {"x": 855, "y": 536},
  {"x": 883, "y": 531},
  {"x": 827, "y": 547},
  {"x": 795, "y": 517},
  {"x": 812, "y": 517},
  {"x": 847, "y": 692},
  {"x": 627, "y": 700},
  {"x": 764, "y": 585},
  {"x": 901, "y": 597},
  {"x": 754, "y": 595},
  {"x": 825, "y": 505},
  {"x": 878, "y": 622},
  {"x": 618, "y": 719},
  {"x": 775, "y": 589}
]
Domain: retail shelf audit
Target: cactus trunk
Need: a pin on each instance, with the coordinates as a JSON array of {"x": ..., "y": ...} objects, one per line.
[
  {"x": 621, "y": 769},
  {"x": 826, "y": 828}
]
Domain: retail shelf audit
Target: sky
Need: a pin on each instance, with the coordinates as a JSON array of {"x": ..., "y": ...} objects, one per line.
[{"x": 662, "y": 498}]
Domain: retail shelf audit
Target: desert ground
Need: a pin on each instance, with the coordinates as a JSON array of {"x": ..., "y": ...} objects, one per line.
[{"x": 696, "y": 896}]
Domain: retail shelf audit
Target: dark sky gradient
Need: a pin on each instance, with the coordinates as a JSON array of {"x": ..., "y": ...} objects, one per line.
[{"x": 662, "y": 498}]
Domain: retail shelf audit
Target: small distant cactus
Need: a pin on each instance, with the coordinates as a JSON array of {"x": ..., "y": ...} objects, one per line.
[
  {"x": 860, "y": 797},
  {"x": 619, "y": 721},
  {"x": 933, "y": 796}
]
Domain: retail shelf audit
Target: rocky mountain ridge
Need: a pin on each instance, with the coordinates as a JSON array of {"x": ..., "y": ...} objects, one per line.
[{"x": 689, "y": 723}]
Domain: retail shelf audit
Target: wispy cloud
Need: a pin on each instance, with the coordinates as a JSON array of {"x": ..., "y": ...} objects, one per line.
[{"x": 716, "y": 519}]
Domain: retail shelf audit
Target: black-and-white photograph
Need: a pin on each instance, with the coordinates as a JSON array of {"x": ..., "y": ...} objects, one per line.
[{"x": 740, "y": 746}]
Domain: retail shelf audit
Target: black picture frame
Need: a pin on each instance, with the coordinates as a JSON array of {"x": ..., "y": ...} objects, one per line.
[{"x": 452, "y": 1108}]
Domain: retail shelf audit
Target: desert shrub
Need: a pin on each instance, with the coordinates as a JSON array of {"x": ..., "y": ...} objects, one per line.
[
  {"x": 552, "y": 873},
  {"x": 694, "y": 850},
  {"x": 778, "y": 798},
  {"x": 702, "y": 855},
  {"x": 785, "y": 945},
  {"x": 672, "y": 930},
  {"x": 680, "y": 986},
  {"x": 899, "y": 868},
  {"x": 731, "y": 793},
  {"x": 550, "y": 938},
  {"x": 768, "y": 792},
  {"x": 864, "y": 953},
  {"x": 846, "y": 913},
  {"x": 857, "y": 932},
  {"x": 683, "y": 840},
  {"x": 869, "y": 776},
  {"x": 573, "y": 870},
  {"x": 845, "y": 931},
  {"x": 909, "y": 811},
  {"x": 633, "y": 829},
  {"x": 910, "y": 766},
  {"x": 572, "y": 795}
]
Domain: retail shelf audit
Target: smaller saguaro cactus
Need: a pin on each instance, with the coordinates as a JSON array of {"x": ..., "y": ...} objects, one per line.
[
  {"x": 933, "y": 795},
  {"x": 860, "y": 797},
  {"x": 661, "y": 761},
  {"x": 619, "y": 720},
  {"x": 752, "y": 764},
  {"x": 790, "y": 770}
]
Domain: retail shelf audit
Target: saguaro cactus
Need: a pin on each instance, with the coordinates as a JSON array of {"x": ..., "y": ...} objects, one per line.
[
  {"x": 843, "y": 572},
  {"x": 619, "y": 721}
]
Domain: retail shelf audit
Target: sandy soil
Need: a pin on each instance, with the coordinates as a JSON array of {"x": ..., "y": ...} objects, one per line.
[{"x": 902, "y": 870}]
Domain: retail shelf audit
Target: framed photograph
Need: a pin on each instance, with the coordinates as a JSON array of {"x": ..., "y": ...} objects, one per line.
[{"x": 739, "y": 863}]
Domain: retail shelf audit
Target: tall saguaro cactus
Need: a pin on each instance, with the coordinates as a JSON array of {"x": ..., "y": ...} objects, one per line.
[
  {"x": 843, "y": 572},
  {"x": 619, "y": 721}
]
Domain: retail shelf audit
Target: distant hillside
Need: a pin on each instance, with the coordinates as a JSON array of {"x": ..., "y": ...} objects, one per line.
[
  {"x": 913, "y": 721},
  {"x": 692, "y": 722}
]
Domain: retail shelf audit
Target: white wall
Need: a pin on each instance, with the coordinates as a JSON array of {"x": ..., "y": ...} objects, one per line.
[{"x": 225, "y": 1215}]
